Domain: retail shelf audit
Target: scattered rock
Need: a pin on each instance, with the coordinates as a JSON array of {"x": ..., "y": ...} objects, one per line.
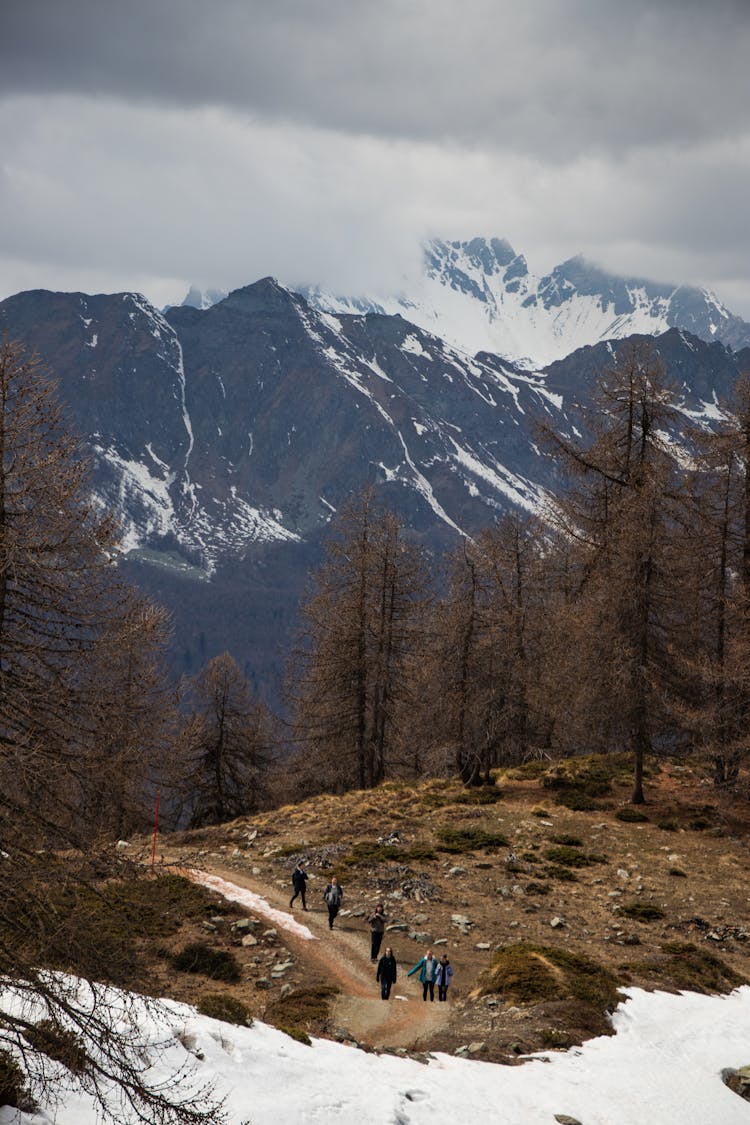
[
  {"x": 419, "y": 936},
  {"x": 440, "y": 941},
  {"x": 249, "y": 940},
  {"x": 461, "y": 922},
  {"x": 477, "y": 1048},
  {"x": 122, "y": 844},
  {"x": 270, "y": 935},
  {"x": 420, "y": 919},
  {"x": 242, "y": 925},
  {"x": 462, "y": 1052},
  {"x": 397, "y": 927},
  {"x": 557, "y": 923},
  {"x": 738, "y": 1081},
  {"x": 483, "y": 945},
  {"x": 565, "y": 1119},
  {"x": 457, "y": 871}
]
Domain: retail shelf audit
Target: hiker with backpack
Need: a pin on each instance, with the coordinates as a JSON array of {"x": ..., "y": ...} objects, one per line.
[
  {"x": 333, "y": 894},
  {"x": 299, "y": 883}
]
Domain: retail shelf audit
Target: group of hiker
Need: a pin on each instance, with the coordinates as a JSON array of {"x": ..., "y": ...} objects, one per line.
[{"x": 433, "y": 972}]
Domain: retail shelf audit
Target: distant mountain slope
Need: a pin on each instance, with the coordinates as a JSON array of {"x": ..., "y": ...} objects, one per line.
[
  {"x": 226, "y": 438},
  {"x": 480, "y": 296}
]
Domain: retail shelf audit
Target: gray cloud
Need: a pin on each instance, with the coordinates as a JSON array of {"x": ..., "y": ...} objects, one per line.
[
  {"x": 542, "y": 77},
  {"x": 161, "y": 142}
]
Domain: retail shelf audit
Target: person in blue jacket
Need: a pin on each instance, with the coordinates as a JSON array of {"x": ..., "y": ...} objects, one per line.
[
  {"x": 427, "y": 968},
  {"x": 443, "y": 975}
]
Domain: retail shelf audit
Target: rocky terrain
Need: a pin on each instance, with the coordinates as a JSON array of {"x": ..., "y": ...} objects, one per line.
[{"x": 544, "y": 909}]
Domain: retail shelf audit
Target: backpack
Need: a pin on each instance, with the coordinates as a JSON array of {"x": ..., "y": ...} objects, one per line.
[{"x": 332, "y": 895}]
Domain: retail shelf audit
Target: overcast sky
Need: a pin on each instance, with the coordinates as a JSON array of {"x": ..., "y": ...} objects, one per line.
[{"x": 149, "y": 144}]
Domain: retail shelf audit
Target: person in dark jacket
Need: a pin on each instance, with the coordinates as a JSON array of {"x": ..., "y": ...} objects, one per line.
[
  {"x": 299, "y": 882},
  {"x": 333, "y": 894},
  {"x": 443, "y": 975},
  {"x": 377, "y": 929},
  {"x": 426, "y": 967},
  {"x": 386, "y": 973}
]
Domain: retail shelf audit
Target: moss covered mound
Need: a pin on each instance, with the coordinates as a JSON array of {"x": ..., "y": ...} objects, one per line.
[{"x": 533, "y": 974}]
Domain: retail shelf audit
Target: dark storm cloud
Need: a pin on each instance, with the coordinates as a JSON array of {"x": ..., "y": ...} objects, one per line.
[
  {"x": 153, "y": 143},
  {"x": 547, "y": 77}
]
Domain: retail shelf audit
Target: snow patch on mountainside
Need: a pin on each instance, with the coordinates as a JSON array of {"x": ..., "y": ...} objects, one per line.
[{"x": 481, "y": 296}]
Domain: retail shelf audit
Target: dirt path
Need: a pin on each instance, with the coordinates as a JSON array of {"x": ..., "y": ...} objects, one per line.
[{"x": 342, "y": 956}]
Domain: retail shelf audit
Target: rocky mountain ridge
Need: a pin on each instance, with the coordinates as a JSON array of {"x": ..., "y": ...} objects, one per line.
[{"x": 227, "y": 437}]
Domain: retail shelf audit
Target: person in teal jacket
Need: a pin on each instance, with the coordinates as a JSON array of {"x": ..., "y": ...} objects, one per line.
[{"x": 427, "y": 969}]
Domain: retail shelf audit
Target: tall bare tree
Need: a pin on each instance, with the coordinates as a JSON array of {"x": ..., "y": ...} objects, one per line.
[
  {"x": 483, "y": 650},
  {"x": 714, "y": 573},
  {"x": 228, "y": 744},
  {"x": 61, "y": 605},
  {"x": 361, "y": 626},
  {"x": 617, "y": 512}
]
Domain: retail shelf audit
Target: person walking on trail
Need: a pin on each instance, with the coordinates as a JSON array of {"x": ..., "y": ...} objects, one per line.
[
  {"x": 386, "y": 973},
  {"x": 299, "y": 882},
  {"x": 333, "y": 894},
  {"x": 377, "y": 929},
  {"x": 427, "y": 968},
  {"x": 443, "y": 975}
]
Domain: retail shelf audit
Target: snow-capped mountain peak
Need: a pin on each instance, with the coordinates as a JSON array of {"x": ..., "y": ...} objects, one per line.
[{"x": 480, "y": 295}]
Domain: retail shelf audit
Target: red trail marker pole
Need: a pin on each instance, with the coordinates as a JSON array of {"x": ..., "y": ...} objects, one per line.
[{"x": 156, "y": 829}]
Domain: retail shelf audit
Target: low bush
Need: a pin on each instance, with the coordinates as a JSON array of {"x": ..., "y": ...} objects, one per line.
[
  {"x": 562, "y": 874},
  {"x": 567, "y": 841},
  {"x": 219, "y": 1006},
  {"x": 457, "y": 840},
  {"x": 667, "y": 825},
  {"x": 12, "y": 1082},
  {"x": 677, "y": 873},
  {"x": 642, "y": 911},
  {"x": 629, "y": 815},
  {"x": 364, "y": 853},
  {"x": 216, "y": 964},
  {"x": 485, "y": 795},
  {"x": 568, "y": 856},
  {"x": 304, "y": 1010},
  {"x": 527, "y": 973},
  {"x": 298, "y": 1034},
  {"x": 576, "y": 801},
  {"x": 535, "y": 888},
  {"x": 58, "y": 1043},
  {"x": 685, "y": 967},
  {"x": 529, "y": 771}
]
